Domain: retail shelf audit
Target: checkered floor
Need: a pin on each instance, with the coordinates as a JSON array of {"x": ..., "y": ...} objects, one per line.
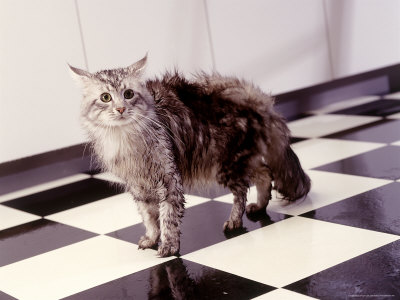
[{"x": 76, "y": 238}]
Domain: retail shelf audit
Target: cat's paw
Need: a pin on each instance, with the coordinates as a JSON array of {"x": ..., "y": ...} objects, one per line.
[
  {"x": 232, "y": 225},
  {"x": 145, "y": 242},
  {"x": 168, "y": 249}
]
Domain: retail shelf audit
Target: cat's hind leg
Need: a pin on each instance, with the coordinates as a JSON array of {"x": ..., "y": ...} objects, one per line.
[
  {"x": 263, "y": 183},
  {"x": 239, "y": 191},
  {"x": 150, "y": 214}
]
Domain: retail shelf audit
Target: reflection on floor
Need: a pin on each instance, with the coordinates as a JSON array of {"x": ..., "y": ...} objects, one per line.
[{"x": 76, "y": 238}]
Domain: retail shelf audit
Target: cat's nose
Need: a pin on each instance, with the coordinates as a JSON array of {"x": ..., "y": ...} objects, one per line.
[{"x": 121, "y": 110}]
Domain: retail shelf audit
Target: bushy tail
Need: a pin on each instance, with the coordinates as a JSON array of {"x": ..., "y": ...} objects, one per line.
[{"x": 289, "y": 177}]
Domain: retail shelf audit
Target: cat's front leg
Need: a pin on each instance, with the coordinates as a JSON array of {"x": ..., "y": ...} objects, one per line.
[
  {"x": 150, "y": 214},
  {"x": 171, "y": 211}
]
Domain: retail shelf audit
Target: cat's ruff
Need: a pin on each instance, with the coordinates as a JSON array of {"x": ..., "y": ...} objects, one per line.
[{"x": 162, "y": 134}]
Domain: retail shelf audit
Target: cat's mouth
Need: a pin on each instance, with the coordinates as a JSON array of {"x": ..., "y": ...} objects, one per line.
[{"x": 120, "y": 121}]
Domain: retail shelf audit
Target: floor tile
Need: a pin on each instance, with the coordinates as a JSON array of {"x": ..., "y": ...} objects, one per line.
[
  {"x": 4, "y": 296},
  {"x": 394, "y": 116},
  {"x": 381, "y": 163},
  {"x": 326, "y": 188},
  {"x": 290, "y": 250},
  {"x": 102, "y": 216},
  {"x": 177, "y": 279},
  {"x": 327, "y": 124},
  {"x": 202, "y": 226},
  {"x": 382, "y": 108},
  {"x": 373, "y": 275},
  {"x": 64, "y": 197},
  {"x": 110, "y": 214},
  {"x": 12, "y": 217},
  {"x": 395, "y": 95},
  {"x": 298, "y": 116},
  {"x": 282, "y": 294},
  {"x": 294, "y": 140},
  {"x": 74, "y": 268},
  {"x": 379, "y": 210},
  {"x": 397, "y": 143},
  {"x": 385, "y": 131},
  {"x": 43, "y": 187},
  {"x": 30, "y": 239},
  {"x": 108, "y": 177},
  {"x": 345, "y": 104},
  {"x": 316, "y": 152}
]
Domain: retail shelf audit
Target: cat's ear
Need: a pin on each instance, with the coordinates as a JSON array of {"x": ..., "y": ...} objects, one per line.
[
  {"x": 138, "y": 68},
  {"x": 79, "y": 75}
]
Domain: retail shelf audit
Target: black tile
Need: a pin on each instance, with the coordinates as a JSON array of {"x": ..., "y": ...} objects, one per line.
[
  {"x": 202, "y": 226},
  {"x": 4, "y": 296},
  {"x": 37, "y": 237},
  {"x": 11, "y": 181},
  {"x": 380, "y": 163},
  {"x": 296, "y": 140},
  {"x": 383, "y": 131},
  {"x": 374, "y": 275},
  {"x": 177, "y": 279},
  {"x": 380, "y": 108},
  {"x": 377, "y": 210},
  {"x": 298, "y": 117},
  {"x": 64, "y": 197}
]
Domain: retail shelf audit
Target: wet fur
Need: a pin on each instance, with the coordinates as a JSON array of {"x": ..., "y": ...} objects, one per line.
[{"x": 181, "y": 132}]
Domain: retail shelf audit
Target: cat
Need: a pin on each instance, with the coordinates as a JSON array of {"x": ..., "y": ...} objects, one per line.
[{"x": 161, "y": 135}]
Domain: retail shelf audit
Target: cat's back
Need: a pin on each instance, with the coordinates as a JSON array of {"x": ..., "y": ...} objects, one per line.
[{"x": 209, "y": 94}]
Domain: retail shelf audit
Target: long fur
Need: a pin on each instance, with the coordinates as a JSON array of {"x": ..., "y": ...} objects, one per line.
[{"x": 178, "y": 132}]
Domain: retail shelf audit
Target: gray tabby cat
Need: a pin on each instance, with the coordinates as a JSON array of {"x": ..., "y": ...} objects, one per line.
[{"x": 163, "y": 134}]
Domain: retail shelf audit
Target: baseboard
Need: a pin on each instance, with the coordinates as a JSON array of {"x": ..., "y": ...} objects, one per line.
[{"x": 377, "y": 82}]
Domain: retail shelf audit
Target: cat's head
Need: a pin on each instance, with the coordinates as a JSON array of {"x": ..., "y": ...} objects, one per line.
[{"x": 114, "y": 98}]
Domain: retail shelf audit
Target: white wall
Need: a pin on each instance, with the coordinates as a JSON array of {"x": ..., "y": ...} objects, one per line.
[
  {"x": 281, "y": 45},
  {"x": 38, "y": 102},
  {"x": 364, "y": 34},
  {"x": 119, "y": 32}
]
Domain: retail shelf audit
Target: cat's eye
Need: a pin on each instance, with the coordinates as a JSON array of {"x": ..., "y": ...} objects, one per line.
[
  {"x": 128, "y": 94},
  {"x": 105, "y": 97}
]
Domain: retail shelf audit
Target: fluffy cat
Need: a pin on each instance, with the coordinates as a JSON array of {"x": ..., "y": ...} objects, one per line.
[{"x": 163, "y": 134}]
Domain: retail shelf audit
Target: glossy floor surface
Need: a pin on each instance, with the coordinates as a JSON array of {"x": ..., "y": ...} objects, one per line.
[{"x": 76, "y": 238}]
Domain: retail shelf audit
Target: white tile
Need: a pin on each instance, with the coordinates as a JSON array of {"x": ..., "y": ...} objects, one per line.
[
  {"x": 192, "y": 200},
  {"x": 393, "y": 96},
  {"x": 290, "y": 250},
  {"x": 110, "y": 214},
  {"x": 109, "y": 177},
  {"x": 282, "y": 294},
  {"x": 103, "y": 216},
  {"x": 326, "y": 188},
  {"x": 71, "y": 269},
  {"x": 320, "y": 125},
  {"x": 43, "y": 187},
  {"x": 317, "y": 152},
  {"x": 10, "y": 217},
  {"x": 394, "y": 116},
  {"x": 345, "y": 104}
]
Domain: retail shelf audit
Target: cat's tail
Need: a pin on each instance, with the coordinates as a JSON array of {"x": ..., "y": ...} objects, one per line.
[{"x": 290, "y": 180}]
